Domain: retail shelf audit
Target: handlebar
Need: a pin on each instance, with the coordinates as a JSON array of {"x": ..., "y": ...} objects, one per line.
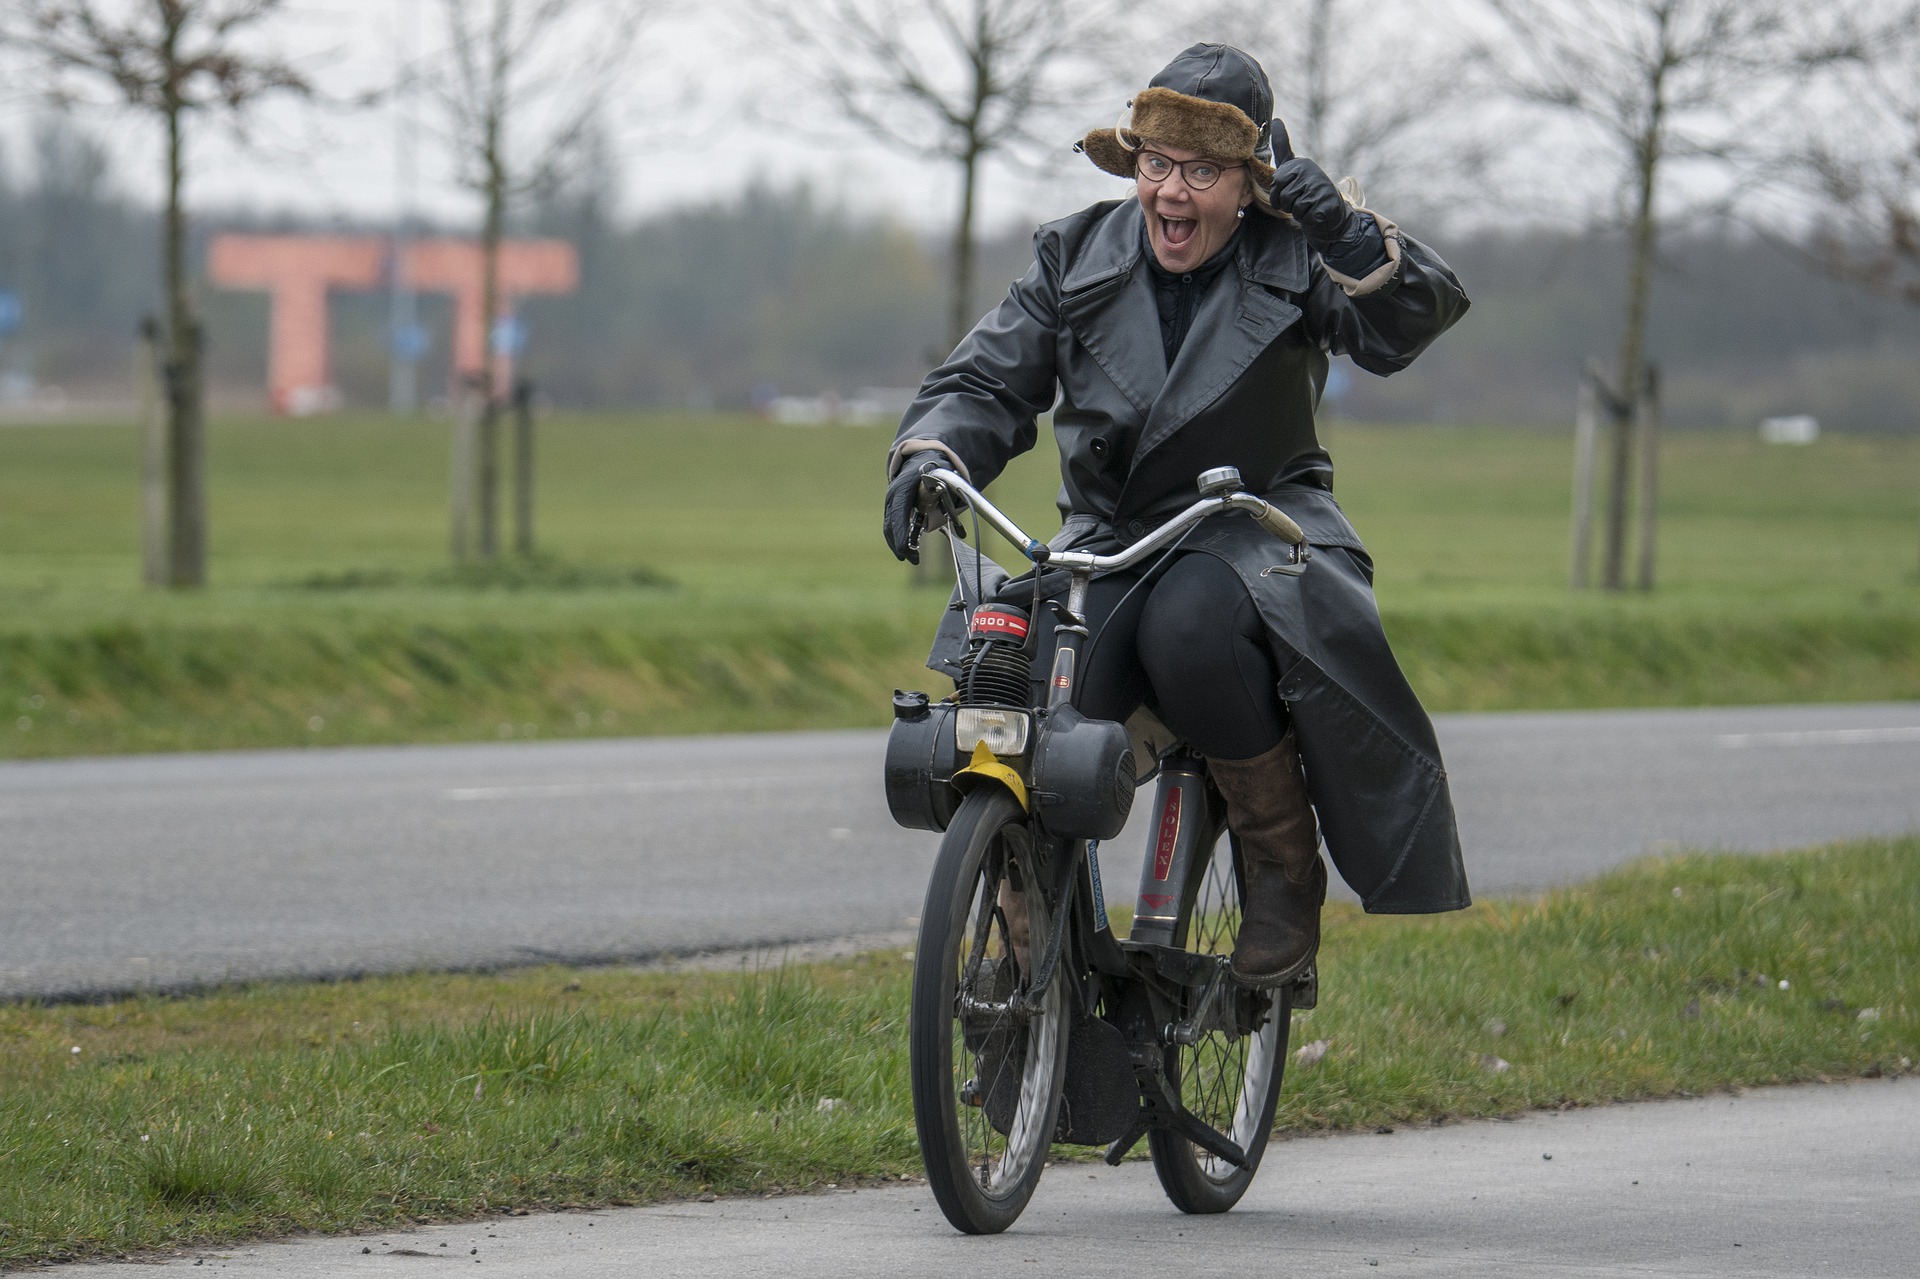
[
  {"x": 1267, "y": 515},
  {"x": 1276, "y": 522}
]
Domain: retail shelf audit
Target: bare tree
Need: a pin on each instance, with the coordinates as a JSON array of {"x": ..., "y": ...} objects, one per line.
[
  {"x": 1660, "y": 82},
  {"x": 962, "y": 80},
  {"x": 524, "y": 85},
  {"x": 1382, "y": 110},
  {"x": 1859, "y": 158},
  {"x": 170, "y": 60},
  {"x": 1857, "y": 161}
]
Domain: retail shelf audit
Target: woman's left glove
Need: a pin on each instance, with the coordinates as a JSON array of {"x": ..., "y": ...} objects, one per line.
[
  {"x": 1349, "y": 239},
  {"x": 904, "y": 518}
]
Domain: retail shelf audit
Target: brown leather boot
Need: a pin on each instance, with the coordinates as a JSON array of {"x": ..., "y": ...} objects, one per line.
[{"x": 1268, "y": 809}]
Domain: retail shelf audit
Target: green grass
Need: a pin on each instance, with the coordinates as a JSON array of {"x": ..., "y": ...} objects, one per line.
[
  {"x": 124, "y": 687},
  {"x": 156, "y": 1122},
  {"x": 1673, "y": 976},
  {"x": 717, "y": 572}
]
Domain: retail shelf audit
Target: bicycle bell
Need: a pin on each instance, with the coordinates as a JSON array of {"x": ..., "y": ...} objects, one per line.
[{"x": 1220, "y": 481}]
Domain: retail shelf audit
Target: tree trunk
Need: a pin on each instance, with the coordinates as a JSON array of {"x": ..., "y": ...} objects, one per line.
[
  {"x": 1647, "y": 427},
  {"x": 1319, "y": 40},
  {"x": 153, "y": 456},
  {"x": 1586, "y": 428},
  {"x": 523, "y": 467},
  {"x": 489, "y": 443},
  {"x": 491, "y": 232},
  {"x": 1633, "y": 338},
  {"x": 466, "y": 427},
  {"x": 186, "y": 427},
  {"x": 488, "y": 447},
  {"x": 960, "y": 315}
]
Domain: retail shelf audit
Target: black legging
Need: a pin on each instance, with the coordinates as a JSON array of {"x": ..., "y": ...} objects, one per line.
[{"x": 1190, "y": 640}]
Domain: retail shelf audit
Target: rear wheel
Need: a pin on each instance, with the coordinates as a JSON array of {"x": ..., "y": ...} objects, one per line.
[
  {"x": 1230, "y": 1079},
  {"x": 986, "y": 1069}
]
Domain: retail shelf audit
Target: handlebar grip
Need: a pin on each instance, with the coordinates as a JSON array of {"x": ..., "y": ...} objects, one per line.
[{"x": 1280, "y": 524}]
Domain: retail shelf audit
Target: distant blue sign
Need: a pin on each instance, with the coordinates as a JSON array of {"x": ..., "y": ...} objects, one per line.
[
  {"x": 409, "y": 342},
  {"x": 9, "y": 313},
  {"x": 509, "y": 336}
]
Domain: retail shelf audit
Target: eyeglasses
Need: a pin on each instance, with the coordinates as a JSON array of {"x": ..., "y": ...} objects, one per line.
[{"x": 1197, "y": 174}]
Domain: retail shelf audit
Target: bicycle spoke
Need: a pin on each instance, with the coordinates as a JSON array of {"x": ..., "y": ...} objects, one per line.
[
  {"x": 992, "y": 1051},
  {"x": 1216, "y": 1072}
]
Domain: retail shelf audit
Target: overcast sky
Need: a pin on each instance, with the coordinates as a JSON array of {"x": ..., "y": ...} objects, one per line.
[
  {"x": 711, "y": 104},
  {"x": 684, "y": 130}
]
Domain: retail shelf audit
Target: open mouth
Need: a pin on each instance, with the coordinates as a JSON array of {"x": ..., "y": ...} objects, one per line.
[{"x": 1175, "y": 233}]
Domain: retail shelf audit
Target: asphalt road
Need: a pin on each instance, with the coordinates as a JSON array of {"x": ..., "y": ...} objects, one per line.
[
  {"x": 1786, "y": 1182},
  {"x": 161, "y": 872}
]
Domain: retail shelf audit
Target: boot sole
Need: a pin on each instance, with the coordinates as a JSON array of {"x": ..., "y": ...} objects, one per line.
[{"x": 1261, "y": 981}]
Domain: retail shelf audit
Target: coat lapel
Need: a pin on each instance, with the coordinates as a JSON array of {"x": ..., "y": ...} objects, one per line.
[
  {"x": 1107, "y": 301},
  {"x": 1236, "y": 322}
]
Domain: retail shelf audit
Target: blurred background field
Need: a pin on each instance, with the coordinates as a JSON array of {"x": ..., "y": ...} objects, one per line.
[{"x": 708, "y": 571}]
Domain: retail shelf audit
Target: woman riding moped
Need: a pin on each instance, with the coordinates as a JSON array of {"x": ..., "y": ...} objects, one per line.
[{"x": 1188, "y": 327}]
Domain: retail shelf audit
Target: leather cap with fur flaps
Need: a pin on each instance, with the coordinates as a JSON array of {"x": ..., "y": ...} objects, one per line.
[{"x": 1213, "y": 99}]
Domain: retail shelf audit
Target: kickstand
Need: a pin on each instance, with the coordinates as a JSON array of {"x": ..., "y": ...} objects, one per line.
[{"x": 1118, "y": 1150}]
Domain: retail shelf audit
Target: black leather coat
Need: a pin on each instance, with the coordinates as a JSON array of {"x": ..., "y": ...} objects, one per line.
[{"x": 1080, "y": 334}]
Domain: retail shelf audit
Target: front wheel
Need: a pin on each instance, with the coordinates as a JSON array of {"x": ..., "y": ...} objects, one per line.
[
  {"x": 1230, "y": 1079},
  {"x": 986, "y": 1071}
]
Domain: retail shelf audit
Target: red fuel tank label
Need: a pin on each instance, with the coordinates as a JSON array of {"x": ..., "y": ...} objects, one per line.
[
  {"x": 991, "y": 621},
  {"x": 1169, "y": 834}
]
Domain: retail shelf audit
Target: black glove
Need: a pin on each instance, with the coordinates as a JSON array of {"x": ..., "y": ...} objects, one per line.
[
  {"x": 903, "y": 520},
  {"x": 1349, "y": 240}
]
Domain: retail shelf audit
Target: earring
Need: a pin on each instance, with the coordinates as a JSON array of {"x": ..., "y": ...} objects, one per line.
[{"x": 1239, "y": 213}]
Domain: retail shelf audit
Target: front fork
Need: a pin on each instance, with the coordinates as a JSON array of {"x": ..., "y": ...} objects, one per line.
[
  {"x": 1100, "y": 952},
  {"x": 1070, "y": 634}
]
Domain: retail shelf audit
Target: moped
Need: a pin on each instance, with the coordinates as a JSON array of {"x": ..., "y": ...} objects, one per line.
[{"x": 1032, "y": 1023}]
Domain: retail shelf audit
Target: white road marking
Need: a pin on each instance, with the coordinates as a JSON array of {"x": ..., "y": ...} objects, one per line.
[
  {"x": 1824, "y": 737},
  {"x": 650, "y": 786}
]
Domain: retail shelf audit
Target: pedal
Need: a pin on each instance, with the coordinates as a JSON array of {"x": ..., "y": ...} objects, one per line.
[{"x": 1304, "y": 993}]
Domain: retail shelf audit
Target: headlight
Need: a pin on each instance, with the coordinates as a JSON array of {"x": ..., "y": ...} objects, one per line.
[{"x": 1004, "y": 732}]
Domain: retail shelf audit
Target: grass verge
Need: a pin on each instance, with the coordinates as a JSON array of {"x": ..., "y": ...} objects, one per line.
[
  {"x": 167, "y": 1122},
  {"x": 1568, "y": 659},
  {"x": 115, "y": 688}
]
